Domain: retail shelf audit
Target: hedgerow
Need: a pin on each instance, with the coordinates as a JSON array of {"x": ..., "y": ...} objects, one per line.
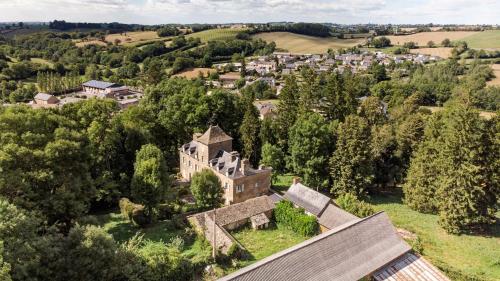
[{"x": 295, "y": 219}]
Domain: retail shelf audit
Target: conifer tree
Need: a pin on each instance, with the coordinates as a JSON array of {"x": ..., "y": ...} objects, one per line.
[
  {"x": 249, "y": 131},
  {"x": 351, "y": 166},
  {"x": 287, "y": 110}
]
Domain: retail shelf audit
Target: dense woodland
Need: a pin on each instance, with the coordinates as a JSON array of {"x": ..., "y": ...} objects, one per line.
[{"x": 58, "y": 166}]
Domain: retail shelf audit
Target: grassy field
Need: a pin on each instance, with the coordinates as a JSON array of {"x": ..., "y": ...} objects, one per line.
[
  {"x": 265, "y": 242},
  {"x": 461, "y": 257},
  {"x": 42, "y": 61},
  {"x": 489, "y": 39},
  {"x": 304, "y": 44},
  {"x": 496, "y": 70},
  {"x": 127, "y": 39},
  {"x": 216, "y": 34},
  {"x": 423, "y": 37}
]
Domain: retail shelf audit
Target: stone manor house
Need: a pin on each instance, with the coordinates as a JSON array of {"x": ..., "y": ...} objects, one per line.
[{"x": 214, "y": 150}]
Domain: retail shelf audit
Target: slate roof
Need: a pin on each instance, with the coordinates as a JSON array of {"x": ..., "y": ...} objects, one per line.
[
  {"x": 348, "y": 252},
  {"x": 410, "y": 267},
  {"x": 241, "y": 211},
  {"x": 303, "y": 196},
  {"x": 99, "y": 84},
  {"x": 214, "y": 134},
  {"x": 334, "y": 216}
]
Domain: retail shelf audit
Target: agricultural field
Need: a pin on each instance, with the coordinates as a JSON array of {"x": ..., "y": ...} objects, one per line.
[
  {"x": 42, "y": 61},
  {"x": 126, "y": 38},
  {"x": 461, "y": 257},
  {"x": 496, "y": 70},
  {"x": 423, "y": 37},
  {"x": 216, "y": 34},
  {"x": 440, "y": 51},
  {"x": 303, "y": 44},
  {"x": 195, "y": 72},
  {"x": 489, "y": 39}
]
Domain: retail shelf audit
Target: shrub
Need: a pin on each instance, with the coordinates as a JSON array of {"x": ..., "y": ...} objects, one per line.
[
  {"x": 353, "y": 205},
  {"x": 295, "y": 219},
  {"x": 126, "y": 207},
  {"x": 139, "y": 217},
  {"x": 164, "y": 212}
]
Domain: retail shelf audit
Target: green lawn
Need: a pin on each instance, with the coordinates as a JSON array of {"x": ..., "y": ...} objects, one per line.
[
  {"x": 265, "y": 242},
  {"x": 484, "y": 40},
  {"x": 216, "y": 34},
  {"x": 282, "y": 183},
  {"x": 461, "y": 257}
]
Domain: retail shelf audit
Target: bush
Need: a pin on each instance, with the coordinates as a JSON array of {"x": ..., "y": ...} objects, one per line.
[
  {"x": 350, "y": 203},
  {"x": 164, "y": 212},
  {"x": 126, "y": 207},
  {"x": 295, "y": 219},
  {"x": 139, "y": 216}
]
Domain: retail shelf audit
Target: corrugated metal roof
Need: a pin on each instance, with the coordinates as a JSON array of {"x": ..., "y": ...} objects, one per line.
[
  {"x": 349, "y": 252},
  {"x": 334, "y": 216},
  {"x": 312, "y": 201},
  {"x": 99, "y": 84},
  {"x": 410, "y": 267}
]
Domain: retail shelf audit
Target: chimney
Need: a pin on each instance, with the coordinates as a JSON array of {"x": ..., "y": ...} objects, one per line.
[
  {"x": 296, "y": 180},
  {"x": 245, "y": 165}
]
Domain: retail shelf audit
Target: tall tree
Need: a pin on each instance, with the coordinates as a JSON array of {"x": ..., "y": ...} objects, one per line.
[
  {"x": 309, "y": 143},
  {"x": 206, "y": 189},
  {"x": 287, "y": 110},
  {"x": 273, "y": 156},
  {"x": 337, "y": 97},
  {"x": 351, "y": 165},
  {"x": 151, "y": 180},
  {"x": 249, "y": 131}
]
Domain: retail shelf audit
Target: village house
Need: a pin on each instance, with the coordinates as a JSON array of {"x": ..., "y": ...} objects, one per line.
[
  {"x": 214, "y": 150},
  {"x": 266, "y": 110},
  {"x": 228, "y": 80}
]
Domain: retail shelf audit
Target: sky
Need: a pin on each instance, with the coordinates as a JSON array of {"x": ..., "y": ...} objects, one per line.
[{"x": 231, "y": 11}]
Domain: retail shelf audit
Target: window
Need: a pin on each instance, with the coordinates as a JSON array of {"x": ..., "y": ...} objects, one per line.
[
  {"x": 189, "y": 163},
  {"x": 196, "y": 167},
  {"x": 202, "y": 158},
  {"x": 225, "y": 185},
  {"x": 256, "y": 184},
  {"x": 183, "y": 160},
  {"x": 240, "y": 188}
]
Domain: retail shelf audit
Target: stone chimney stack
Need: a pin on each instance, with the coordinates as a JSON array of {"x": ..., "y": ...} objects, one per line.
[
  {"x": 245, "y": 165},
  {"x": 296, "y": 180}
]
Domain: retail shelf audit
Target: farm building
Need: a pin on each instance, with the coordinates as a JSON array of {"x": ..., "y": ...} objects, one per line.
[
  {"x": 313, "y": 202},
  {"x": 256, "y": 211},
  {"x": 104, "y": 89},
  {"x": 44, "y": 99},
  {"x": 365, "y": 248},
  {"x": 319, "y": 205}
]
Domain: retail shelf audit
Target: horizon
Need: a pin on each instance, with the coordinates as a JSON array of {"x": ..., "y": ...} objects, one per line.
[{"x": 155, "y": 12}]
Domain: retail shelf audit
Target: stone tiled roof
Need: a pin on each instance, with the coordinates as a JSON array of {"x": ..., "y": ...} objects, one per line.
[
  {"x": 348, "y": 252},
  {"x": 312, "y": 201},
  {"x": 214, "y": 134},
  {"x": 240, "y": 211},
  {"x": 334, "y": 216}
]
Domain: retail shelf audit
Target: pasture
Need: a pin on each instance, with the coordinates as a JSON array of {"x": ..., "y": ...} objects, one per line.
[
  {"x": 441, "y": 52},
  {"x": 423, "y": 37},
  {"x": 129, "y": 38},
  {"x": 489, "y": 39},
  {"x": 303, "y": 44},
  {"x": 216, "y": 34}
]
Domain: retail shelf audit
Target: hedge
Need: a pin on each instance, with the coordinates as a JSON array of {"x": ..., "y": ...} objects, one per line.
[
  {"x": 133, "y": 212},
  {"x": 353, "y": 205},
  {"x": 295, "y": 219}
]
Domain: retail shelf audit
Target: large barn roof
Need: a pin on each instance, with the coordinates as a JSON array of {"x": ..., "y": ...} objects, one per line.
[
  {"x": 99, "y": 84},
  {"x": 410, "y": 267},
  {"x": 348, "y": 252},
  {"x": 312, "y": 201}
]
